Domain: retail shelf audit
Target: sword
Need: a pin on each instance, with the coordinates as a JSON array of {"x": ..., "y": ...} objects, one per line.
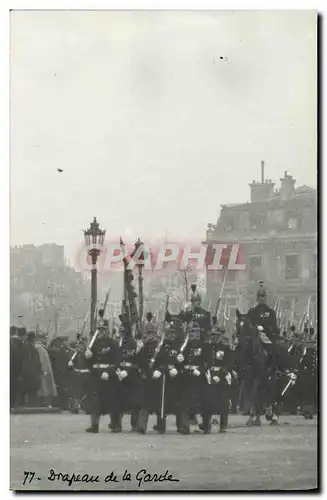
[
  {"x": 286, "y": 387},
  {"x": 163, "y": 396}
]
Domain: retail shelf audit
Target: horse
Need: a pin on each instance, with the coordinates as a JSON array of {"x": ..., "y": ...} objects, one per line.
[{"x": 253, "y": 367}]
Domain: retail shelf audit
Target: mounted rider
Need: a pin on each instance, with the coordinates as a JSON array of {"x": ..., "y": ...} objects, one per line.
[{"x": 263, "y": 316}]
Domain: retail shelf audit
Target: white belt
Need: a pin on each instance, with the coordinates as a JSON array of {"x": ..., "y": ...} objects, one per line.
[
  {"x": 215, "y": 368},
  {"x": 100, "y": 365},
  {"x": 191, "y": 367},
  {"x": 126, "y": 365},
  {"x": 83, "y": 370}
]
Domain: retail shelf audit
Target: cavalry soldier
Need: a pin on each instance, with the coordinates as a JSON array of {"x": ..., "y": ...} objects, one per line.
[
  {"x": 264, "y": 317},
  {"x": 150, "y": 328},
  {"x": 167, "y": 369},
  {"x": 218, "y": 378},
  {"x": 103, "y": 360},
  {"x": 200, "y": 316}
]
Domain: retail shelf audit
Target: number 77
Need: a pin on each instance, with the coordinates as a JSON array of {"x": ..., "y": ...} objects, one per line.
[{"x": 32, "y": 474}]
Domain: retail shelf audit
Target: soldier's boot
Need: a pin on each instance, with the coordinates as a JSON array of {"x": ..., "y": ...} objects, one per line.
[
  {"x": 274, "y": 420},
  {"x": 250, "y": 421},
  {"x": 156, "y": 426},
  {"x": 134, "y": 420},
  {"x": 269, "y": 414},
  {"x": 193, "y": 419},
  {"x": 308, "y": 411},
  {"x": 206, "y": 423},
  {"x": 184, "y": 423},
  {"x": 257, "y": 421},
  {"x": 142, "y": 423},
  {"x": 178, "y": 421},
  {"x": 116, "y": 422},
  {"x": 223, "y": 423},
  {"x": 94, "y": 428},
  {"x": 161, "y": 427}
]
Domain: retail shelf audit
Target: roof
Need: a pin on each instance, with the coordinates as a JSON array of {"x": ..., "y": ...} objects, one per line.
[{"x": 304, "y": 189}]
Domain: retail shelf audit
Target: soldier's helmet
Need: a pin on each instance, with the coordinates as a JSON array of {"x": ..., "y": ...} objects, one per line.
[
  {"x": 149, "y": 316},
  {"x": 214, "y": 320},
  {"x": 261, "y": 293},
  {"x": 187, "y": 312}
]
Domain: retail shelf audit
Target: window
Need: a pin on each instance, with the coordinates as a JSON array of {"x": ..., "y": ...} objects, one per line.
[
  {"x": 291, "y": 267},
  {"x": 255, "y": 265}
]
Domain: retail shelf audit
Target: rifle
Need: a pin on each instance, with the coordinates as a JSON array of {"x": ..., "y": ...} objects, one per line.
[
  {"x": 158, "y": 348},
  {"x": 217, "y": 308},
  {"x": 82, "y": 331},
  {"x": 96, "y": 333}
]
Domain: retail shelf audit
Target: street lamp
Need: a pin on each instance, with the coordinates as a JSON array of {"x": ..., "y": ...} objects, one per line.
[
  {"x": 139, "y": 245},
  {"x": 94, "y": 239}
]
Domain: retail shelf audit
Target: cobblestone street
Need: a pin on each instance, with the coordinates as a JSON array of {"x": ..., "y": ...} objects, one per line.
[{"x": 283, "y": 457}]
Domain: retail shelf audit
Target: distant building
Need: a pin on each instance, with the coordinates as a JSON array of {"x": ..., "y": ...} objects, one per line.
[
  {"x": 277, "y": 234},
  {"x": 44, "y": 290}
]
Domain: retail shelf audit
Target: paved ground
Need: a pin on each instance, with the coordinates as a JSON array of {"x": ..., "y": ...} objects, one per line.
[{"x": 283, "y": 457}]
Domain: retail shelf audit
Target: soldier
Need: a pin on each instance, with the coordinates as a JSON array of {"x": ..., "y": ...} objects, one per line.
[
  {"x": 307, "y": 380},
  {"x": 150, "y": 386},
  {"x": 130, "y": 382},
  {"x": 264, "y": 317},
  {"x": 218, "y": 378},
  {"x": 103, "y": 360},
  {"x": 167, "y": 369},
  {"x": 194, "y": 368}
]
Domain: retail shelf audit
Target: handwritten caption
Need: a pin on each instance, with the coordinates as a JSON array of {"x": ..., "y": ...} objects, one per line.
[{"x": 141, "y": 477}]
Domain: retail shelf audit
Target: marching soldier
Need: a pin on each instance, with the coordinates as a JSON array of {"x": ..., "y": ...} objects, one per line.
[
  {"x": 149, "y": 401},
  {"x": 167, "y": 368},
  {"x": 195, "y": 361},
  {"x": 130, "y": 382},
  {"x": 218, "y": 381},
  {"x": 103, "y": 359},
  {"x": 307, "y": 379}
]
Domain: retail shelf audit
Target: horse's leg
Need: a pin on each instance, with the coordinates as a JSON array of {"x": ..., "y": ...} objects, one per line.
[
  {"x": 249, "y": 395},
  {"x": 257, "y": 401}
]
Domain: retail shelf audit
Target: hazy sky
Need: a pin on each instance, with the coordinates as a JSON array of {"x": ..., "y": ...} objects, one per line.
[{"x": 152, "y": 128}]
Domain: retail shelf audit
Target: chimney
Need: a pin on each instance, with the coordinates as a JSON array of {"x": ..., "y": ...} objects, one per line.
[
  {"x": 262, "y": 171},
  {"x": 287, "y": 187},
  {"x": 263, "y": 190}
]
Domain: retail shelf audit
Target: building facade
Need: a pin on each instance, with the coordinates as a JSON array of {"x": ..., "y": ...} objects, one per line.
[{"x": 277, "y": 236}]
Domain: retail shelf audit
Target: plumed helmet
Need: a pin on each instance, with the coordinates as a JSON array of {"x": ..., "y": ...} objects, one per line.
[
  {"x": 214, "y": 320},
  {"x": 261, "y": 293}
]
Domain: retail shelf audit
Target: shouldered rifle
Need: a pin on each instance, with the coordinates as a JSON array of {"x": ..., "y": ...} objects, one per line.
[
  {"x": 77, "y": 346},
  {"x": 217, "y": 308},
  {"x": 158, "y": 348}
]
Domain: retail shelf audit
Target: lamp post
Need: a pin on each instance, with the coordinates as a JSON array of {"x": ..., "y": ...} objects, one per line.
[
  {"x": 139, "y": 245},
  {"x": 94, "y": 239}
]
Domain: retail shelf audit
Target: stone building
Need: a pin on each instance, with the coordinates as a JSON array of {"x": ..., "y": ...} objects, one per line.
[{"x": 277, "y": 236}]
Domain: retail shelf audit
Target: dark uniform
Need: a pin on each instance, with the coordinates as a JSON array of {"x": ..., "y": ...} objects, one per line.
[
  {"x": 103, "y": 396},
  {"x": 168, "y": 366},
  {"x": 129, "y": 376},
  {"x": 218, "y": 378},
  {"x": 194, "y": 368},
  {"x": 150, "y": 387},
  {"x": 307, "y": 381}
]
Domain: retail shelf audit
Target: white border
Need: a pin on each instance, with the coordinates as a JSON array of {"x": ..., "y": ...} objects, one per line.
[{"x": 4, "y": 151}]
